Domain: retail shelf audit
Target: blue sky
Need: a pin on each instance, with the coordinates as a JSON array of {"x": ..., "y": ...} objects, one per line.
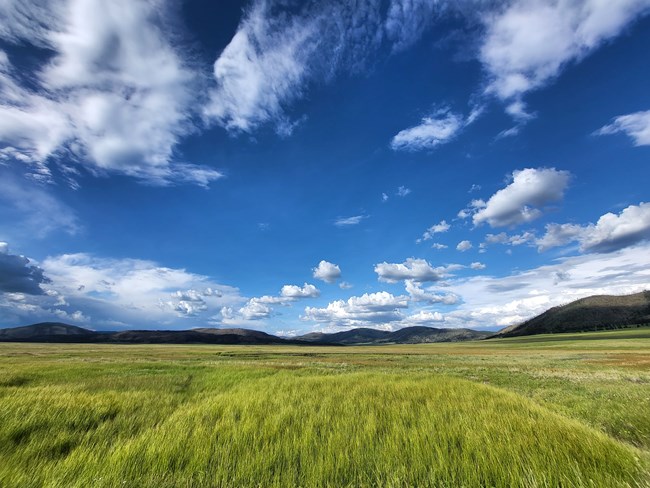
[{"x": 297, "y": 166}]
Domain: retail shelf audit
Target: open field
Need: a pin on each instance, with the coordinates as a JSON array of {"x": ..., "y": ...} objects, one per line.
[{"x": 562, "y": 410}]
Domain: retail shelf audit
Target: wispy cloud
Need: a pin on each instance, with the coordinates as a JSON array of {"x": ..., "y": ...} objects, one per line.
[
  {"x": 402, "y": 191},
  {"x": 437, "y": 129},
  {"x": 635, "y": 125},
  {"x": 439, "y": 228},
  {"x": 349, "y": 221},
  {"x": 275, "y": 55}
]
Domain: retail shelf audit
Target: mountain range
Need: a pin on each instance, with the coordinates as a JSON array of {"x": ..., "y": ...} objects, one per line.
[
  {"x": 58, "y": 332},
  {"x": 597, "y": 312}
]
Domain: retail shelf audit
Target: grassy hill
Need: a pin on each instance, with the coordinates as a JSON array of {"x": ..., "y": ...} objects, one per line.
[
  {"x": 597, "y": 312},
  {"x": 407, "y": 335},
  {"x": 63, "y": 333}
]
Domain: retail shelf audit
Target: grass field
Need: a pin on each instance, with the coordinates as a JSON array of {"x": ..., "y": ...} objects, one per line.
[{"x": 547, "y": 411}]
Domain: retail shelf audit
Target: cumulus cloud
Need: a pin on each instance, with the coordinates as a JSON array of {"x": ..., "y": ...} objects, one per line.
[
  {"x": 523, "y": 199},
  {"x": 636, "y": 126},
  {"x": 528, "y": 43},
  {"x": 327, "y": 272},
  {"x": 418, "y": 294},
  {"x": 477, "y": 265},
  {"x": 116, "y": 96},
  {"x": 437, "y": 245},
  {"x": 423, "y": 318},
  {"x": 464, "y": 246},
  {"x": 610, "y": 233},
  {"x": 294, "y": 291},
  {"x": 261, "y": 308},
  {"x": 17, "y": 275},
  {"x": 559, "y": 235},
  {"x": 417, "y": 270},
  {"x": 370, "y": 309}
]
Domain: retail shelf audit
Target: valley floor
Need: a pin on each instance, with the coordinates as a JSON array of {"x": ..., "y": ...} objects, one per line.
[{"x": 545, "y": 411}]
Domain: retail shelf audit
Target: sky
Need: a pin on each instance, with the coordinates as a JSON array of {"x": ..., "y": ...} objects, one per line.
[{"x": 297, "y": 166}]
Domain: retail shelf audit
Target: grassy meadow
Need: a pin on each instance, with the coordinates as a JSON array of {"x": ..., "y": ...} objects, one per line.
[{"x": 546, "y": 411}]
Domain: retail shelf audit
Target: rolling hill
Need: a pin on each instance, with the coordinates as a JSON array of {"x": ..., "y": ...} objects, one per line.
[
  {"x": 57, "y": 332},
  {"x": 587, "y": 314},
  {"x": 407, "y": 335},
  {"x": 63, "y": 333}
]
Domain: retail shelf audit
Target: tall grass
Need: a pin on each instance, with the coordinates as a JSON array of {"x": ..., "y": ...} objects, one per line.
[{"x": 166, "y": 416}]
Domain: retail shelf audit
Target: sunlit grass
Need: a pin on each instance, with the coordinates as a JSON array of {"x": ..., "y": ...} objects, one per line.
[{"x": 555, "y": 412}]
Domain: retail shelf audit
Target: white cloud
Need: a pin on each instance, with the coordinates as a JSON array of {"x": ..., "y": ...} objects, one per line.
[
  {"x": 611, "y": 233},
  {"x": 477, "y": 265},
  {"x": 511, "y": 240},
  {"x": 402, "y": 191},
  {"x": 344, "y": 285},
  {"x": 114, "y": 293},
  {"x": 464, "y": 246},
  {"x": 424, "y": 318},
  {"x": 136, "y": 292},
  {"x": 437, "y": 129},
  {"x": 115, "y": 97},
  {"x": 559, "y": 235},
  {"x": 520, "y": 201},
  {"x": 294, "y": 291},
  {"x": 327, "y": 272},
  {"x": 443, "y": 226},
  {"x": 437, "y": 245},
  {"x": 407, "y": 20},
  {"x": 418, "y": 294},
  {"x": 275, "y": 55},
  {"x": 636, "y": 126},
  {"x": 490, "y": 301},
  {"x": 528, "y": 42},
  {"x": 418, "y": 270},
  {"x": 349, "y": 221},
  {"x": 370, "y": 309}
]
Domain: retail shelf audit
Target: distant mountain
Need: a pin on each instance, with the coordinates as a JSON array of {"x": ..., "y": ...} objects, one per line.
[
  {"x": 56, "y": 332},
  {"x": 44, "y": 331},
  {"x": 587, "y": 314},
  {"x": 407, "y": 335}
]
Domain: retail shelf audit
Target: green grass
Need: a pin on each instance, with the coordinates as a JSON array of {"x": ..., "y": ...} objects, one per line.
[{"x": 560, "y": 410}]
